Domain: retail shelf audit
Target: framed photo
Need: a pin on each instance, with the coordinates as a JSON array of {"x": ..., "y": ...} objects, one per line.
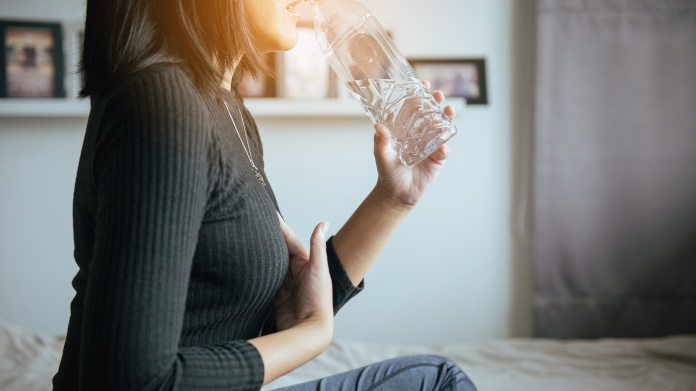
[
  {"x": 264, "y": 87},
  {"x": 455, "y": 77},
  {"x": 303, "y": 72},
  {"x": 31, "y": 63}
]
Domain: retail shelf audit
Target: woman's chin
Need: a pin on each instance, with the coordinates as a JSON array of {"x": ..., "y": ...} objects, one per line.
[
  {"x": 288, "y": 47},
  {"x": 289, "y": 41},
  {"x": 281, "y": 40}
]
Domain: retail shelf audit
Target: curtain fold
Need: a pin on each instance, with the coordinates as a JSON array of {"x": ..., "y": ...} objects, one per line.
[{"x": 615, "y": 168}]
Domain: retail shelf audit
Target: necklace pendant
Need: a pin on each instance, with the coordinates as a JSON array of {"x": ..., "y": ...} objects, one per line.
[
  {"x": 263, "y": 183},
  {"x": 258, "y": 175}
]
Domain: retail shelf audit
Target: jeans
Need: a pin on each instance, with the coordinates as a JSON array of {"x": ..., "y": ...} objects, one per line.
[{"x": 431, "y": 373}]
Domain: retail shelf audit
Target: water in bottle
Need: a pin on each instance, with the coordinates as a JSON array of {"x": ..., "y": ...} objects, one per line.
[{"x": 364, "y": 57}]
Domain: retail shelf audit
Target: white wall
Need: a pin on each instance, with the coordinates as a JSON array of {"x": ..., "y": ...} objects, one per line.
[{"x": 457, "y": 269}]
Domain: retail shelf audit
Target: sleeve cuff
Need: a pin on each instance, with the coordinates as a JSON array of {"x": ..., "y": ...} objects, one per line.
[
  {"x": 256, "y": 370},
  {"x": 343, "y": 288}
]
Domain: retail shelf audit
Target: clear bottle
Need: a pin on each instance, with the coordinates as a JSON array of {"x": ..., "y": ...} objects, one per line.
[{"x": 366, "y": 60}]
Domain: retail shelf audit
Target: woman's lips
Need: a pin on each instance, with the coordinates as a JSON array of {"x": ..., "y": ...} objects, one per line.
[{"x": 291, "y": 8}]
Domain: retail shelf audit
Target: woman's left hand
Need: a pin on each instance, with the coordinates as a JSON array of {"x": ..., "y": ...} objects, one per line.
[
  {"x": 403, "y": 184},
  {"x": 306, "y": 294}
]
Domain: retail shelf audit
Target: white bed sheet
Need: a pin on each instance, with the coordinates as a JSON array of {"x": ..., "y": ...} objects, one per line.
[
  {"x": 665, "y": 364},
  {"x": 29, "y": 360}
]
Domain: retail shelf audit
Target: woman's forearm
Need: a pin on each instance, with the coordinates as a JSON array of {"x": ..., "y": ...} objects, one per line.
[
  {"x": 287, "y": 350},
  {"x": 360, "y": 241}
]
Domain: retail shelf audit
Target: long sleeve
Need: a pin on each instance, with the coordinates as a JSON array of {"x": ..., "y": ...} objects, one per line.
[{"x": 151, "y": 178}]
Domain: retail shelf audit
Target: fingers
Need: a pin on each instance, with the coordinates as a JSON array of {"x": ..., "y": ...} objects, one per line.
[
  {"x": 295, "y": 246},
  {"x": 450, "y": 112},
  {"x": 440, "y": 155},
  {"x": 439, "y": 96}
]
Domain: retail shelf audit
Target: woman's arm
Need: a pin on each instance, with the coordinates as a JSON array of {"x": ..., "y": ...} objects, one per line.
[
  {"x": 289, "y": 349},
  {"x": 360, "y": 241}
]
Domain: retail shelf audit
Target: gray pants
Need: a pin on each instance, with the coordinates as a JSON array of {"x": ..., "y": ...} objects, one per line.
[{"x": 431, "y": 373}]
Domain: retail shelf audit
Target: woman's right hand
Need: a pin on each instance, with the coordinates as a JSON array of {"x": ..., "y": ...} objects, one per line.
[{"x": 306, "y": 296}]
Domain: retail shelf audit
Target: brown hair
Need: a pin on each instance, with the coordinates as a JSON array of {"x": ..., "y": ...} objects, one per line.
[{"x": 203, "y": 36}]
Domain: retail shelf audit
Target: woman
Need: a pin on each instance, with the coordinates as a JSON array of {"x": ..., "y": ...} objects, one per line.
[{"x": 188, "y": 276}]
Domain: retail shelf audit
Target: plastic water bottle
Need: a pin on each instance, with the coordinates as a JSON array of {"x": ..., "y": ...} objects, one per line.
[{"x": 366, "y": 60}]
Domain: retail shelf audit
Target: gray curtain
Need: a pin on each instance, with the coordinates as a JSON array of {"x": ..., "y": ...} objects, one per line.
[{"x": 615, "y": 168}]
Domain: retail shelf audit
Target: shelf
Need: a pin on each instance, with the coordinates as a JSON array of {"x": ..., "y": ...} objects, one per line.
[
  {"x": 66, "y": 108},
  {"x": 260, "y": 108},
  {"x": 55, "y": 107},
  {"x": 304, "y": 108}
]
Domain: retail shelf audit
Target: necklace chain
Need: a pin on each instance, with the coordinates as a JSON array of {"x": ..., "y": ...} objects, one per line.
[{"x": 247, "y": 151}]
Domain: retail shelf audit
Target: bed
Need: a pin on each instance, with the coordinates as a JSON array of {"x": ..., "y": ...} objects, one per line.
[{"x": 28, "y": 361}]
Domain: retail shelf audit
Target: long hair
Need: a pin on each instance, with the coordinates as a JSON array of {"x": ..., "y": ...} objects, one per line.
[{"x": 203, "y": 36}]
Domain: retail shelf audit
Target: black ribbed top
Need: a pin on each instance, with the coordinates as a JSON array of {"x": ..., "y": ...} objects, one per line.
[{"x": 179, "y": 249}]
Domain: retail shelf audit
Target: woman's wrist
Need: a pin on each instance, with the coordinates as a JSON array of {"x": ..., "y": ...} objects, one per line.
[
  {"x": 287, "y": 350},
  {"x": 320, "y": 330},
  {"x": 389, "y": 200}
]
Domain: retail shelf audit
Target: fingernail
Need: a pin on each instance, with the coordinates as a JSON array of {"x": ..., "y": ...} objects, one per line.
[{"x": 324, "y": 228}]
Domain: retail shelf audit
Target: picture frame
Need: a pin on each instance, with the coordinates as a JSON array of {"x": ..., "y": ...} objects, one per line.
[
  {"x": 303, "y": 72},
  {"x": 463, "y": 77},
  {"x": 32, "y": 63}
]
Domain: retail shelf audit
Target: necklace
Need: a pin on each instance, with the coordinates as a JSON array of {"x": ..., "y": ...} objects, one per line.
[{"x": 247, "y": 151}]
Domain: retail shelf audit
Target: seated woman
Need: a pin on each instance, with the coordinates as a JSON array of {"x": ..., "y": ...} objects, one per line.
[{"x": 188, "y": 277}]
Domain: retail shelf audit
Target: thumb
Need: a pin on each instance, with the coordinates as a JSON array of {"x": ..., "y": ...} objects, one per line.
[
  {"x": 382, "y": 142},
  {"x": 317, "y": 251}
]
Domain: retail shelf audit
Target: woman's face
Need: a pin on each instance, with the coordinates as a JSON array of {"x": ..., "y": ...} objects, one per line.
[{"x": 273, "y": 23}]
